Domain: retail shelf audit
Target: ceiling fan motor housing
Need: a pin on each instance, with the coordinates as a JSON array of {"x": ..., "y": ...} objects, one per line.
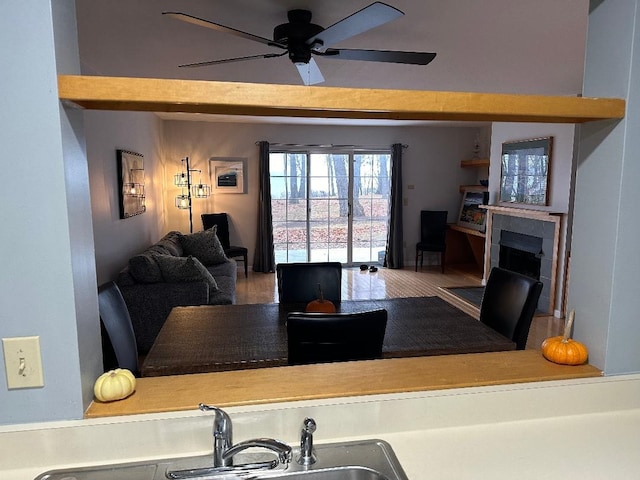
[{"x": 296, "y": 33}]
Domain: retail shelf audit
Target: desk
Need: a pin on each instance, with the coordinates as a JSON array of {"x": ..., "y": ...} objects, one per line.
[
  {"x": 465, "y": 245},
  {"x": 216, "y": 338}
]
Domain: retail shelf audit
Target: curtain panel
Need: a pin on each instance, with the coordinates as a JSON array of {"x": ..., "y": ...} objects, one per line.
[
  {"x": 264, "y": 257},
  {"x": 394, "y": 257}
]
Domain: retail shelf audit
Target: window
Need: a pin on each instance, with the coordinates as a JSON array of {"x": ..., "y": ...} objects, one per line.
[{"x": 329, "y": 204}]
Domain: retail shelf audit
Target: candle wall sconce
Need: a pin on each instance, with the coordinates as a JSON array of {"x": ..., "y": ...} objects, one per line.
[{"x": 130, "y": 183}]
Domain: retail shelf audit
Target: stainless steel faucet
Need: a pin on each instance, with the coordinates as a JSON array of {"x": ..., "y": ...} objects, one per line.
[
  {"x": 223, "y": 448},
  {"x": 282, "y": 449},
  {"x": 307, "y": 454},
  {"x": 222, "y": 435}
]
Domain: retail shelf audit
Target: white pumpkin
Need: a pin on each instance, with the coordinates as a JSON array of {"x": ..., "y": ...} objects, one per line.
[{"x": 114, "y": 385}]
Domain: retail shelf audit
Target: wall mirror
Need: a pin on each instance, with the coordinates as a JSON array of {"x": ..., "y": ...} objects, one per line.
[
  {"x": 525, "y": 171},
  {"x": 130, "y": 183}
]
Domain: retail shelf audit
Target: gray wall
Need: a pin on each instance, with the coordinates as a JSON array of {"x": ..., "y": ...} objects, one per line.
[
  {"x": 605, "y": 260},
  {"x": 47, "y": 284},
  {"x": 431, "y": 164},
  {"x": 116, "y": 239}
]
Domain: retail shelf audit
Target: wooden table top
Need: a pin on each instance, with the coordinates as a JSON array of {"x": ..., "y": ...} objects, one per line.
[{"x": 216, "y": 338}]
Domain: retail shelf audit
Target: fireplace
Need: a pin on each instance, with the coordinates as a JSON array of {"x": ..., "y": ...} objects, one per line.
[
  {"x": 521, "y": 253},
  {"x": 525, "y": 241}
]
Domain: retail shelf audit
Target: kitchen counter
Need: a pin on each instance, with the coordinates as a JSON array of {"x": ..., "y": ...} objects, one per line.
[
  {"x": 335, "y": 380},
  {"x": 582, "y": 428}
]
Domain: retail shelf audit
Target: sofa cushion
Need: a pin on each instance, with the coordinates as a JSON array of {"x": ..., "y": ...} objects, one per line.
[
  {"x": 144, "y": 269},
  {"x": 205, "y": 246},
  {"x": 185, "y": 269},
  {"x": 171, "y": 242}
]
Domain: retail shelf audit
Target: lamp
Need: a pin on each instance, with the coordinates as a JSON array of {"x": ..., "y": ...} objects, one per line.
[
  {"x": 183, "y": 180},
  {"x": 183, "y": 202},
  {"x": 200, "y": 190}
]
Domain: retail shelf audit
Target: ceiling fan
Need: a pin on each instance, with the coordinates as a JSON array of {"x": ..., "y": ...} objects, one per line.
[{"x": 300, "y": 39}]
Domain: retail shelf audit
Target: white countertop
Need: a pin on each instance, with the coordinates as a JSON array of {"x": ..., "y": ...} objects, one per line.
[{"x": 586, "y": 428}]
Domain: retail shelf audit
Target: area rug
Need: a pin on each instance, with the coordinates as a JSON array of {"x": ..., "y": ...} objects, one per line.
[{"x": 471, "y": 295}]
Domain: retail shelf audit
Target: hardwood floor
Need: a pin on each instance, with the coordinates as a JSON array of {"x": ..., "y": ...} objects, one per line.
[{"x": 387, "y": 283}]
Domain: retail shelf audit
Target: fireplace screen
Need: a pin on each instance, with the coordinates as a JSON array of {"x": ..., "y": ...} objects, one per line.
[{"x": 525, "y": 171}]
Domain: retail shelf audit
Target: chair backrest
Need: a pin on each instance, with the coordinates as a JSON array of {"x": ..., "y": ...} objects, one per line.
[
  {"x": 509, "y": 304},
  {"x": 119, "y": 343},
  {"x": 433, "y": 226},
  {"x": 335, "y": 337},
  {"x": 298, "y": 282},
  {"x": 222, "y": 221}
]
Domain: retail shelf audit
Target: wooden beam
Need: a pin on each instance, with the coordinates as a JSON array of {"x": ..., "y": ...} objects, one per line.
[{"x": 231, "y": 98}]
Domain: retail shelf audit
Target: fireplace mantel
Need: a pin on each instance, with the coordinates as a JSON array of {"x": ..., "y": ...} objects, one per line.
[{"x": 554, "y": 218}]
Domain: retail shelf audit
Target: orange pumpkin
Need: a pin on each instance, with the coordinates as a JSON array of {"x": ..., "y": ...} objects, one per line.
[
  {"x": 564, "y": 350},
  {"x": 320, "y": 305}
]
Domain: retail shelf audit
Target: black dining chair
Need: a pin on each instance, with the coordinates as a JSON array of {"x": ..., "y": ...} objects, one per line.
[
  {"x": 433, "y": 229},
  {"x": 222, "y": 221},
  {"x": 335, "y": 337},
  {"x": 298, "y": 282},
  {"x": 509, "y": 303},
  {"x": 119, "y": 348}
]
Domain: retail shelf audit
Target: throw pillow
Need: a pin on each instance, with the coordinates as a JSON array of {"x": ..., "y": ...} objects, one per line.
[
  {"x": 185, "y": 269},
  {"x": 144, "y": 269},
  {"x": 205, "y": 246}
]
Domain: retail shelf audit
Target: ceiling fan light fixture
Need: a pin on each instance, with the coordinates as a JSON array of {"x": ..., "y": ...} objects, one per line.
[{"x": 299, "y": 38}]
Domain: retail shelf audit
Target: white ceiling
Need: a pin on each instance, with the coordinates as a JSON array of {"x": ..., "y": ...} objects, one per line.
[{"x": 507, "y": 46}]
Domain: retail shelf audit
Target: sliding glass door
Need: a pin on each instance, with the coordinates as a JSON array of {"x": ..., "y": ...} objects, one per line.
[{"x": 329, "y": 205}]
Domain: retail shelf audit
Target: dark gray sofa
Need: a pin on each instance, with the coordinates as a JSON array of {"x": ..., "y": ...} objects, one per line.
[{"x": 150, "y": 290}]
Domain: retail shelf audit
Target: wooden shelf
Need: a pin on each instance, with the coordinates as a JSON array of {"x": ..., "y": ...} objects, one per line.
[
  {"x": 473, "y": 188},
  {"x": 468, "y": 231},
  {"x": 475, "y": 163},
  {"x": 235, "y": 98}
]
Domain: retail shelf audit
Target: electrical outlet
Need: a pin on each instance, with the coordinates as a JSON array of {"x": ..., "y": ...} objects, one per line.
[{"x": 23, "y": 362}]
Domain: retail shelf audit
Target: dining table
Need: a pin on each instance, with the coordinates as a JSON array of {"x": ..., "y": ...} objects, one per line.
[{"x": 214, "y": 338}]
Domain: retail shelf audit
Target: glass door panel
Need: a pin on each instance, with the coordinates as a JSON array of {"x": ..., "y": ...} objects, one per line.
[
  {"x": 289, "y": 207},
  {"x": 370, "y": 206},
  {"x": 329, "y": 206}
]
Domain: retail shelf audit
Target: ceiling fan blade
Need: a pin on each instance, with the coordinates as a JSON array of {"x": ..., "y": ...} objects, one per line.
[
  {"x": 389, "y": 56},
  {"x": 374, "y": 15},
  {"x": 231, "y": 60},
  {"x": 310, "y": 72},
  {"x": 221, "y": 28}
]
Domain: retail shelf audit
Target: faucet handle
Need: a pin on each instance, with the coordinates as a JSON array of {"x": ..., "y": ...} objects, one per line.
[{"x": 307, "y": 454}]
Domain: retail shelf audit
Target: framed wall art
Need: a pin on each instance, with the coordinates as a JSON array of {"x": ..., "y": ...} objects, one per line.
[
  {"x": 525, "y": 171},
  {"x": 471, "y": 215},
  {"x": 130, "y": 183},
  {"x": 228, "y": 175}
]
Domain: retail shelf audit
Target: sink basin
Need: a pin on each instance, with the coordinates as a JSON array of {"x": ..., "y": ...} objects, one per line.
[{"x": 360, "y": 460}]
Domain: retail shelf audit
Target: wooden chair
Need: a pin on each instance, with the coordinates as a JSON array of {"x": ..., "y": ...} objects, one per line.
[
  {"x": 119, "y": 348},
  {"x": 509, "y": 303},
  {"x": 433, "y": 229},
  {"x": 335, "y": 337}
]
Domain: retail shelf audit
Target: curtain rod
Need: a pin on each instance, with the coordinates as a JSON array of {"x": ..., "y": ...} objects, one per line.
[{"x": 332, "y": 145}]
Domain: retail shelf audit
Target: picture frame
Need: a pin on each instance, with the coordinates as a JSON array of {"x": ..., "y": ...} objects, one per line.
[
  {"x": 525, "y": 166},
  {"x": 470, "y": 214},
  {"x": 228, "y": 175},
  {"x": 130, "y": 183}
]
